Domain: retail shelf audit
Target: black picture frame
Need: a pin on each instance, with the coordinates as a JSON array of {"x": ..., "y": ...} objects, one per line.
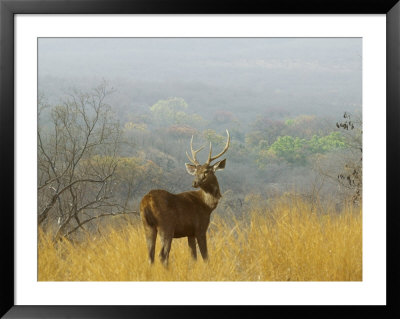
[{"x": 8, "y": 8}]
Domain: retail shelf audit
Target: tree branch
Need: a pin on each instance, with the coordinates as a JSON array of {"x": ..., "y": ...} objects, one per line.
[{"x": 99, "y": 216}]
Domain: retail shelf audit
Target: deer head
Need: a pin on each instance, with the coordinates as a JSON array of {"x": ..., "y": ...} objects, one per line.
[{"x": 204, "y": 174}]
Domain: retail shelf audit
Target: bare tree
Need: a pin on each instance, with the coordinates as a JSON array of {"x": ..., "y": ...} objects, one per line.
[
  {"x": 351, "y": 175},
  {"x": 78, "y": 141},
  {"x": 344, "y": 167}
]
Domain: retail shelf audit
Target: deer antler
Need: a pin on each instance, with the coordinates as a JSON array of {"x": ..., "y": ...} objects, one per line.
[
  {"x": 194, "y": 153},
  {"x": 211, "y": 158}
]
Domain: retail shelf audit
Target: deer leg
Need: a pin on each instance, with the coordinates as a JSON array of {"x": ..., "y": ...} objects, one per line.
[
  {"x": 166, "y": 241},
  {"x": 202, "y": 242},
  {"x": 151, "y": 235},
  {"x": 192, "y": 246}
]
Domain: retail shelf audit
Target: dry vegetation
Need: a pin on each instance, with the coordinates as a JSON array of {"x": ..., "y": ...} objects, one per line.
[{"x": 291, "y": 241}]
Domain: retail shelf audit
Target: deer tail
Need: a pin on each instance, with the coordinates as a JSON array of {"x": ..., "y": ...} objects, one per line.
[{"x": 149, "y": 217}]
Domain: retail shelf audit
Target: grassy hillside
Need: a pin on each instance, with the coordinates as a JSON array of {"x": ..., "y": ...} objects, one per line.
[{"x": 290, "y": 241}]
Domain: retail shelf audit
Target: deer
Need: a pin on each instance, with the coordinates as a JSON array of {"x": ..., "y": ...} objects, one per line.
[{"x": 184, "y": 214}]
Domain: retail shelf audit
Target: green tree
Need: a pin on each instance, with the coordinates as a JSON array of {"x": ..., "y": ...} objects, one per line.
[
  {"x": 173, "y": 111},
  {"x": 291, "y": 149},
  {"x": 213, "y": 137},
  {"x": 170, "y": 110},
  {"x": 323, "y": 144}
]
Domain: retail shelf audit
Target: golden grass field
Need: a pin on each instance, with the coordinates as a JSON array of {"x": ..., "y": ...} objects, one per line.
[{"x": 289, "y": 242}]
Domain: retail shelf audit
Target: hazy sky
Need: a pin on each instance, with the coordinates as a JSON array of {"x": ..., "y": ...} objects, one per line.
[
  {"x": 134, "y": 57},
  {"x": 282, "y": 70}
]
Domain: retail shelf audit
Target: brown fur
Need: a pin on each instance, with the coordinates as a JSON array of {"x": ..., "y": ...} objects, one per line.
[{"x": 181, "y": 215}]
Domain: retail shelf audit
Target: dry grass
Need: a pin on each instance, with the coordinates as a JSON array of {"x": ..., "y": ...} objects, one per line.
[{"x": 288, "y": 242}]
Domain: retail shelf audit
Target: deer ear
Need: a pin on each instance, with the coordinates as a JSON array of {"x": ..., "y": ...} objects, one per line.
[
  {"x": 191, "y": 169},
  {"x": 219, "y": 165}
]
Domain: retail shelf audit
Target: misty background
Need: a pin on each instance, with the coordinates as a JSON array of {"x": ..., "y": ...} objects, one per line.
[
  {"x": 282, "y": 100},
  {"x": 245, "y": 76}
]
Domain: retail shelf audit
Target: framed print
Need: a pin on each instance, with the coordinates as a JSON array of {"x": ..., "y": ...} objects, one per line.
[{"x": 105, "y": 109}]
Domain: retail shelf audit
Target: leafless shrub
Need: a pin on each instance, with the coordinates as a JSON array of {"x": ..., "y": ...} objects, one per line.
[{"x": 78, "y": 143}]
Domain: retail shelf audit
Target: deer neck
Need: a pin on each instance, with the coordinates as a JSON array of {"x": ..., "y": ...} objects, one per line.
[{"x": 210, "y": 194}]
